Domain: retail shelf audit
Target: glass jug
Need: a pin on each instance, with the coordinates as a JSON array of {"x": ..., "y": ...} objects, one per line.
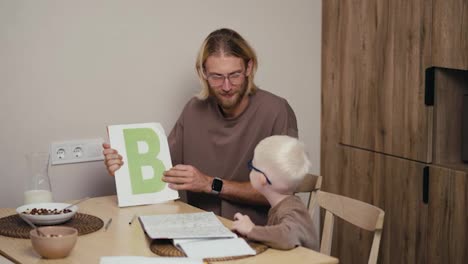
[{"x": 38, "y": 189}]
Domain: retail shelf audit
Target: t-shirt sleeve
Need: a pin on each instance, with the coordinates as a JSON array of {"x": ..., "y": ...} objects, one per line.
[
  {"x": 175, "y": 141},
  {"x": 286, "y": 122}
]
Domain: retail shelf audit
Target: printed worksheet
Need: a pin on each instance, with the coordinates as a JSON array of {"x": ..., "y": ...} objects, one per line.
[
  {"x": 185, "y": 226},
  {"x": 146, "y": 156}
]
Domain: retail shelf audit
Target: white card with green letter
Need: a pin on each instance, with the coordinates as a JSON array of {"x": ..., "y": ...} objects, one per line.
[{"x": 146, "y": 156}]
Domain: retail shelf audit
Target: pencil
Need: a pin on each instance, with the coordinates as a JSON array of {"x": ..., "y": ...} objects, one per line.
[
  {"x": 133, "y": 218},
  {"x": 108, "y": 224}
]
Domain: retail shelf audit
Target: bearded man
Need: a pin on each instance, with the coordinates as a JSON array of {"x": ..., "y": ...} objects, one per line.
[{"x": 217, "y": 131}]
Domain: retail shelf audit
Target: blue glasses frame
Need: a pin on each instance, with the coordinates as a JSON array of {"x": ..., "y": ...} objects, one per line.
[{"x": 251, "y": 167}]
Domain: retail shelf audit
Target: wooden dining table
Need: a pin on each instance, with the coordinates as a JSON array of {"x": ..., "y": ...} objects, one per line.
[{"x": 124, "y": 239}]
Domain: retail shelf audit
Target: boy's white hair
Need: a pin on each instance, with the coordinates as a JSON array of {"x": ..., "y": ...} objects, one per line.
[{"x": 287, "y": 157}]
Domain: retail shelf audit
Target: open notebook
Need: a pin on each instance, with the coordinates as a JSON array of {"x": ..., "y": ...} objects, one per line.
[
  {"x": 198, "y": 235},
  {"x": 147, "y": 260},
  {"x": 214, "y": 247}
]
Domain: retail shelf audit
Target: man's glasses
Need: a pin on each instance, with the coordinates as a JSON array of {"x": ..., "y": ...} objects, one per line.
[
  {"x": 251, "y": 167},
  {"x": 234, "y": 78}
]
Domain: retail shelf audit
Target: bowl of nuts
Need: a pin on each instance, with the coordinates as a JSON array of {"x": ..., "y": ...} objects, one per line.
[
  {"x": 47, "y": 213},
  {"x": 54, "y": 242}
]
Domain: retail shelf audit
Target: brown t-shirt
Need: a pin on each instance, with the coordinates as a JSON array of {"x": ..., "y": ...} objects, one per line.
[
  {"x": 289, "y": 225},
  {"x": 221, "y": 147}
]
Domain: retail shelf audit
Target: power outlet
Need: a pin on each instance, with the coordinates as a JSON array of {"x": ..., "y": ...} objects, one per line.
[{"x": 75, "y": 151}]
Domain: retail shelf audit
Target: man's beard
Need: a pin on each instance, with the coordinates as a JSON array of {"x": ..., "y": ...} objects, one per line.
[{"x": 232, "y": 102}]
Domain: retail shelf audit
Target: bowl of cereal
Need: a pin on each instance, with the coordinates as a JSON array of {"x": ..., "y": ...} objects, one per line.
[{"x": 47, "y": 213}]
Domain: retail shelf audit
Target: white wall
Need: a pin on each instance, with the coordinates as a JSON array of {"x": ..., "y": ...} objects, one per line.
[{"x": 69, "y": 68}]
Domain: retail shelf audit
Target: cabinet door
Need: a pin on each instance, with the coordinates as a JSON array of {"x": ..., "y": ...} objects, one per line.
[
  {"x": 355, "y": 178},
  {"x": 448, "y": 216},
  {"x": 404, "y": 236},
  {"x": 383, "y": 51},
  {"x": 450, "y": 34},
  {"x": 396, "y": 186}
]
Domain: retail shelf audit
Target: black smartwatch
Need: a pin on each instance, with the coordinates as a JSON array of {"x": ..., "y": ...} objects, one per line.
[{"x": 216, "y": 186}]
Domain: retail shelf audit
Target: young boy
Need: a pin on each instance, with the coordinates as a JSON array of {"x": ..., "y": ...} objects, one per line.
[{"x": 278, "y": 167}]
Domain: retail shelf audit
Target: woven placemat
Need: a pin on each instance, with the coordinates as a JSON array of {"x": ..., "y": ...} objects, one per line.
[
  {"x": 14, "y": 226},
  {"x": 165, "y": 248}
]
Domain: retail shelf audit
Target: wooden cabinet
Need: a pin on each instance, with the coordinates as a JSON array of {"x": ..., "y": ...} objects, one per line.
[
  {"x": 350, "y": 243},
  {"x": 381, "y": 143},
  {"x": 393, "y": 184},
  {"x": 450, "y": 88},
  {"x": 450, "y": 34},
  {"x": 424, "y": 223},
  {"x": 402, "y": 191},
  {"x": 447, "y": 232},
  {"x": 384, "y": 51}
]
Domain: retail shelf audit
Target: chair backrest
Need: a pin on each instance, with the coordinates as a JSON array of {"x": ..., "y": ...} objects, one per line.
[
  {"x": 311, "y": 184},
  {"x": 358, "y": 213}
]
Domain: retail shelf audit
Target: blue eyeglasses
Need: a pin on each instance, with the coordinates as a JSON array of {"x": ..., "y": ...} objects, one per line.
[{"x": 251, "y": 167}]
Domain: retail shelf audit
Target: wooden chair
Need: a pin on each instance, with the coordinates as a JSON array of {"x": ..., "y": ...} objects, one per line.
[
  {"x": 311, "y": 184},
  {"x": 356, "y": 212}
]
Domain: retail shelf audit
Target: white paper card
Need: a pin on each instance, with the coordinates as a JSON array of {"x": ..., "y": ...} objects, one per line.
[
  {"x": 146, "y": 156},
  {"x": 148, "y": 260},
  {"x": 190, "y": 225},
  {"x": 216, "y": 248}
]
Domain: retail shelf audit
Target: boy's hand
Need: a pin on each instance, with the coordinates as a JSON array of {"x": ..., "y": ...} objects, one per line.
[{"x": 242, "y": 224}]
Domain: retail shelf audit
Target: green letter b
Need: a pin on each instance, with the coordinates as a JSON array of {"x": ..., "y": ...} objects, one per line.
[{"x": 140, "y": 164}]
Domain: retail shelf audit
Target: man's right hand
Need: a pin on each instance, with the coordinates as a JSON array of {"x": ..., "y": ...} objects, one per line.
[{"x": 112, "y": 159}]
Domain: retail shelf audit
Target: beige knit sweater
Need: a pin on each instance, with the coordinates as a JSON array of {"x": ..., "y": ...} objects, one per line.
[{"x": 289, "y": 225}]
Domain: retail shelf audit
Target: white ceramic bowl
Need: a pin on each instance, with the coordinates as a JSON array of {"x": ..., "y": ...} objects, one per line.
[{"x": 51, "y": 219}]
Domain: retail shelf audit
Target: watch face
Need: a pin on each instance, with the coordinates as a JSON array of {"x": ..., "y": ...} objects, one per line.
[{"x": 217, "y": 185}]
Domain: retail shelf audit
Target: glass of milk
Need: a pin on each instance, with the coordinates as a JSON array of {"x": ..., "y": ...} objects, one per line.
[{"x": 38, "y": 188}]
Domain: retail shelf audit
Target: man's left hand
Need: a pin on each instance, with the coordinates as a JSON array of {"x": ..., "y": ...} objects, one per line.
[{"x": 187, "y": 178}]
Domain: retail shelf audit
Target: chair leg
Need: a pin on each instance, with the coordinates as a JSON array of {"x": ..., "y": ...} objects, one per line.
[
  {"x": 327, "y": 235},
  {"x": 374, "y": 253}
]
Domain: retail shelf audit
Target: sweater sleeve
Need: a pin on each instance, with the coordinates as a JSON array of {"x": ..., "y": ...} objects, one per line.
[{"x": 285, "y": 235}]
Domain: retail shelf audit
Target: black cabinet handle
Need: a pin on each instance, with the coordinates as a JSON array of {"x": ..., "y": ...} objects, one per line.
[
  {"x": 429, "y": 86},
  {"x": 425, "y": 184}
]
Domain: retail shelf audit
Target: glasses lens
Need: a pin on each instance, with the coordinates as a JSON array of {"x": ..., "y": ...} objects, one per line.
[
  {"x": 236, "y": 78},
  {"x": 218, "y": 80}
]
